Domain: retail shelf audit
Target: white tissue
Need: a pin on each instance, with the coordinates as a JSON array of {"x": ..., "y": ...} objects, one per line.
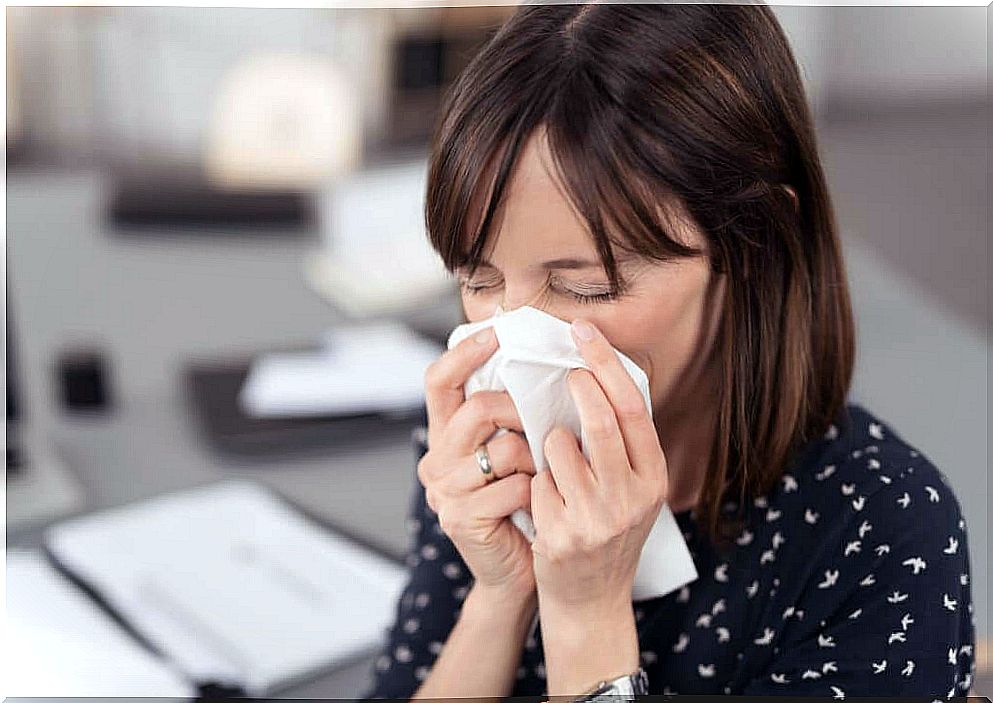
[{"x": 535, "y": 354}]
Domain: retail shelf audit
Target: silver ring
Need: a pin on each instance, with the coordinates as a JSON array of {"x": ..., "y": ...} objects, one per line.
[{"x": 485, "y": 465}]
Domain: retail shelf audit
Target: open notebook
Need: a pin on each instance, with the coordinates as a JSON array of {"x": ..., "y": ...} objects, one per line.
[{"x": 232, "y": 585}]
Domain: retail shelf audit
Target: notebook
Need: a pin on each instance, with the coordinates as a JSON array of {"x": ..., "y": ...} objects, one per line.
[{"x": 233, "y": 586}]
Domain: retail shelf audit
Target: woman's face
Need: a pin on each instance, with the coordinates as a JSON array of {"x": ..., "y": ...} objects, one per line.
[{"x": 665, "y": 322}]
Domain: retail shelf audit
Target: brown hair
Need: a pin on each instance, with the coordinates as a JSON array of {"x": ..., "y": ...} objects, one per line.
[{"x": 697, "y": 104}]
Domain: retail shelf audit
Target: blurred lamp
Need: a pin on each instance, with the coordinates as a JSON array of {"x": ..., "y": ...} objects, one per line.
[{"x": 283, "y": 122}]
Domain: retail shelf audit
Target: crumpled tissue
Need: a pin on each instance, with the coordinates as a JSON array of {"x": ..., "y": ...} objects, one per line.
[{"x": 536, "y": 351}]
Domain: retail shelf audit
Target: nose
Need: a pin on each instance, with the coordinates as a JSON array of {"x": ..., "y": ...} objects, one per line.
[{"x": 507, "y": 305}]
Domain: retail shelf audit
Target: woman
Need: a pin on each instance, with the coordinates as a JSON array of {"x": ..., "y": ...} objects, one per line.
[{"x": 651, "y": 170}]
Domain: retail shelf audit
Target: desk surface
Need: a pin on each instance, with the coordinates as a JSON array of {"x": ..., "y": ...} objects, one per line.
[{"x": 154, "y": 304}]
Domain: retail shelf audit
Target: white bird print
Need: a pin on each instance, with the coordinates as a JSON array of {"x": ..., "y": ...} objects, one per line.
[
  {"x": 680, "y": 645},
  {"x": 868, "y": 580},
  {"x": 767, "y": 556},
  {"x": 704, "y": 620},
  {"x": 810, "y": 674},
  {"x": 810, "y": 517},
  {"x": 761, "y": 502},
  {"x": 847, "y": 489},
  {"x": 772, "y": 514},
  {"x": 830, "y": 667},
  {"x": 864, "y": 529},
  {"x": 789, "y": 483},
  {"x": 932, "y": 494},
  {"x": 949, "y": 603},
  {"x": 953, "y": 656},
  {"x": 777, "y": 539},
  {"x": 896, "y": 637},
  {"x": 953, "y": 546},
  {"x": 838, "y": 693},
  {"x": 966, "y": 649},
  {"x": 897, "y": 597},
  {"x": 719, "y": 606},
  {"x": 858, "y": 503},
  {"x": 825, "y": 641},
  {"x": 744, "y": 538},
  {"x": 825, "y": 472},
  {"x": 875, "y": 430},
  {"x": 779, "y": 678},
  {"x": 873, "y": 464},
  {"x": 788, "y": 612},
  {"x": 908, "y": 668},
  {"x": 684, "y": 594},
  {"x": 721, "y": 573},
  {"x": 906, "y": 621},
  {"x": 830, "y": 578},
  {"x": 854, "y": 614},
  {"x": 766, "y": 637},
  {"x": 964, "y": 579},
  {"x": 879, "y": 667},
  {"x": 882, "y": 549},
  {"x": 723, "y": 634},
  {"x": 904, "y": 500},
  {"x": 915, "y": 563},
  {"x": 855, "y": 547},
  {"x": 752, "y": 589},
  {"x": 706, "y": 671},
  {"x": 885, "y": 479},
  {"x": 649, "y": 657},
  {"x": 961, "y": 523}
]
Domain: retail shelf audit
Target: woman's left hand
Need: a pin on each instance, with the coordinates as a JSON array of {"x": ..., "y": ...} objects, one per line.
[{"x": 592, "y": 518}]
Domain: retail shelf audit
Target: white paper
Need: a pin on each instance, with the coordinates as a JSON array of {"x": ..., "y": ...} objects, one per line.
[
  {"x": 534, "y": 356},
  {"x": 233, "y": 585},
  {"x": 363, "y": 367},
  {"x": 61, "y": 644}
]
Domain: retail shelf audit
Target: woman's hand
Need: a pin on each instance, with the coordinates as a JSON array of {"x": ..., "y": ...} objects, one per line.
[
  {"x": 591, "y": 521},
  {"x": 474, "y": 513},
  {"x": 592, "y": 518}
]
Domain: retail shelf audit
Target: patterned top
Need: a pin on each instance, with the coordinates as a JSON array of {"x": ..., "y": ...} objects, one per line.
[{"x": 850, "y": 578}]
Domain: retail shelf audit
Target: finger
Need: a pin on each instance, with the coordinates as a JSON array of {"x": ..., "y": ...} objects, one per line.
[
  {"x": 572, "y": 474},
  {"x": 547, "y": 506},
  {"x": 478, "y": 418},
  {"x": 605, "y": 445},
  {"x": 500, "y": 498},
  {"x": 637, "y": 428},
  {"x": 444, "y": 380},
  {"x": 509, "y": 454}
]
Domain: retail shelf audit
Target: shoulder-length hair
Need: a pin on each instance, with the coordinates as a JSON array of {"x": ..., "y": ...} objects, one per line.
[{"x": 648, "y": 104}]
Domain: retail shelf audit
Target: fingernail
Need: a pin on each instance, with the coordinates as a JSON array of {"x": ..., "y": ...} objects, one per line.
[
  {"x": 484, "y": 336},
  {"x": 583, "y": 330}
]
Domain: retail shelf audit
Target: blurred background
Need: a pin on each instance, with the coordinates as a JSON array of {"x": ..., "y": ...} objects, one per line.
[{"x": 215, "y": 251}]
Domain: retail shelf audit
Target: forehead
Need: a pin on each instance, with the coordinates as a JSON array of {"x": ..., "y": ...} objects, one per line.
[{"x": 536, "y": 220}]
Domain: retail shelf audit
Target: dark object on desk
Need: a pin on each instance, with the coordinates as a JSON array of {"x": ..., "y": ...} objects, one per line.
[
  {"x": 83, "y": 380},
  {"x": 188, "y": 200},
  {"x": 213, "y": 392}
]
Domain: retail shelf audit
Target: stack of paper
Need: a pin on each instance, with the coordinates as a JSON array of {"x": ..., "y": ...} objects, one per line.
[
  {"x": 233, "y": 585},
  {"x": 61, "y": 644},
  {"x": 364, "y": 367}
]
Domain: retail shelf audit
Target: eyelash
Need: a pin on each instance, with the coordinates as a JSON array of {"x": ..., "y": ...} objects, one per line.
[{"x": 579, "y": 297}]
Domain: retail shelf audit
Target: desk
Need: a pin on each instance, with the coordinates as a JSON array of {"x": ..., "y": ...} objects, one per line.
[{"x": 155, "y": 304}]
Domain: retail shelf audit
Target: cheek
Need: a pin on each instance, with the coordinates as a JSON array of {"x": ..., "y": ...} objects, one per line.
[{"x": 664, "y": 332}]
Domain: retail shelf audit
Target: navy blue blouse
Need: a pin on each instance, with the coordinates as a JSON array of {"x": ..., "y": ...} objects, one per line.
[{"x": 850, "y": 578}]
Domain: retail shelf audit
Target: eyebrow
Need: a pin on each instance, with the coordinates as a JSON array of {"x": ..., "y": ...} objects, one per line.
[{"x": 571, "y": 263}]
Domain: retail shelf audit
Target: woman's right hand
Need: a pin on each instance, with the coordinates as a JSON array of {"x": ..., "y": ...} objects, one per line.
[{"x": 474, "y": 513}]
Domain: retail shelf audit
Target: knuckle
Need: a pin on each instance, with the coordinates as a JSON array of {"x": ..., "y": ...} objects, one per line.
[
  {"x": 601, "y": 425},
  {"x": 433, "y": 375},
  {"x": 631, "y": 408}
]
